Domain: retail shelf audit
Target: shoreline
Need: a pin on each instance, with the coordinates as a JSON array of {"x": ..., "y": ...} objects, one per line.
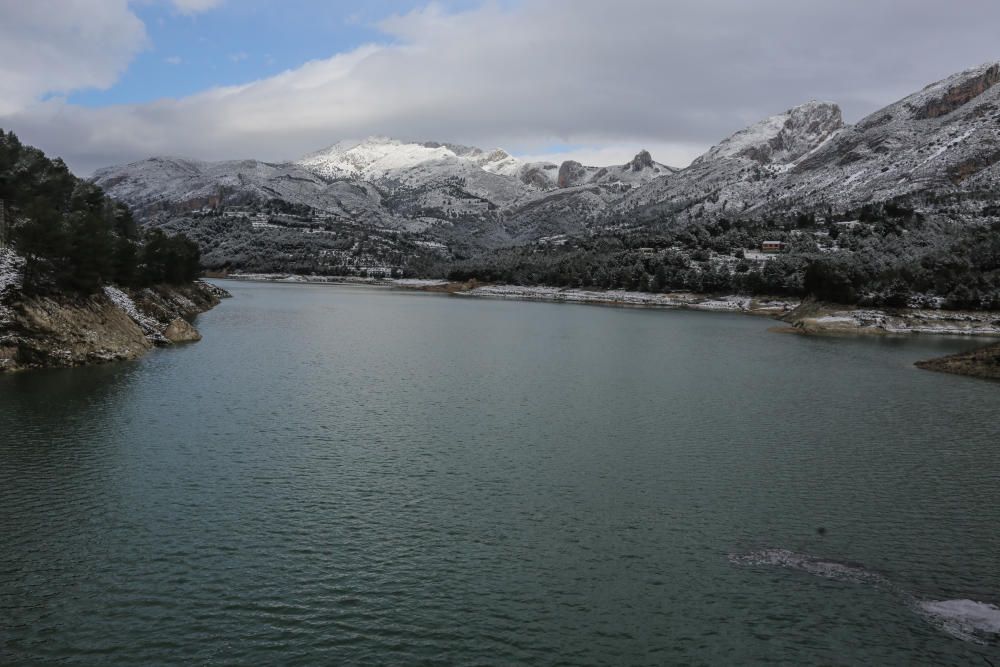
[
  {"x": 804, "y": 317},
  {"x": 982, "y": 363},
  {"x": 112, "y": 324}
]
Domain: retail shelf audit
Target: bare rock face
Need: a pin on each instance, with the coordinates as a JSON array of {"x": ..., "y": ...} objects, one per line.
[
  {"x": 181, "y": 331},
  {"x": 571, "y": 173},
  {"x": 642, "y": 160},
  {"x": 960, "y": 94},
  {"x": 71, "y": 330},
  {"x": 783, "y": 138},
  {"x": 535, "y": 176}
]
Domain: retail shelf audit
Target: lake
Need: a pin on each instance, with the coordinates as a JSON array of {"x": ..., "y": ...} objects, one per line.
[{"x": 342, "y": 475}]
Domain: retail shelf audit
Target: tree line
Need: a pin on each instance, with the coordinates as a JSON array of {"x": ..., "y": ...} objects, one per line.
[
  {"x": 73, "y": 237},
  {"x": 891, "y": 257}
]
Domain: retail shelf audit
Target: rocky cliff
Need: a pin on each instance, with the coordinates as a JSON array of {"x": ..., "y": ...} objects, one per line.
[{"x": 67, "y": 330}]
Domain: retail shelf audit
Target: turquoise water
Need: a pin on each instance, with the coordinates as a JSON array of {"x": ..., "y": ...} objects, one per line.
[{"x": 342, "y": 475}]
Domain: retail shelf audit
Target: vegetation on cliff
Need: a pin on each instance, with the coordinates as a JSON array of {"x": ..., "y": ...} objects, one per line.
[{"x": 72, "y": 237}]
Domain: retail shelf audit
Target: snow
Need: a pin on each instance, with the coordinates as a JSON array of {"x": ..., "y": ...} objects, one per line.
[
  {"x": 149, "y": 326},
  {"x": 419, "y": 282},
  {"x": 10, "y": 280},
  {"x": 855, "y": 176},
  {"x": 951, "y": 144},
  {"x": 967, "y": 620},
  {"x": 377, "y": 157},
  {"x": 732, "y": 304},
  {"x": 786, "y": 130}
]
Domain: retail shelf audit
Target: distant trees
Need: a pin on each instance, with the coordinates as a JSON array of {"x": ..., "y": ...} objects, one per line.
[
  {"x": 895, "y": 257},
  {"x": 73, "y": 237}
]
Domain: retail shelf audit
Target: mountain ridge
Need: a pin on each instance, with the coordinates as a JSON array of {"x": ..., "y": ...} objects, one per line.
[{"x": 940, "y": 142}]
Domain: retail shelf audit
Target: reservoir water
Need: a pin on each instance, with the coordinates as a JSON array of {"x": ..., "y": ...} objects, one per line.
[{"x": 340, "y": 475}]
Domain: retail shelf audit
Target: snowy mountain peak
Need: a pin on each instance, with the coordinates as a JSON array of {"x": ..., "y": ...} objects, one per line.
[
  {"x": 783, "y": 138},
  {"x": 947, "y": 95},
  {"x": 374, "y": 157},
  {"x": 642, "y": 160}
]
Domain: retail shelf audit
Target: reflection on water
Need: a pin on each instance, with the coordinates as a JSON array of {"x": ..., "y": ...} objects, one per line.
[{"x": 344, "y": 475}]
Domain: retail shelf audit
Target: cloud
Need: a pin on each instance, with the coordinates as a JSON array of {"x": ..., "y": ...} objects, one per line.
[
  {"x": 672, "y": 77},
  {"x": 59, "y": 46},
  {"x": 195, "y": 6},
  {"x": 239, "y": 56},
  {"x": 173, "y": 60}
]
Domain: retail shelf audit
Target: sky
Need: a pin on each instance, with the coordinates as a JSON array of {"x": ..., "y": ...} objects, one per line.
[{"x": 104, "y": 82}]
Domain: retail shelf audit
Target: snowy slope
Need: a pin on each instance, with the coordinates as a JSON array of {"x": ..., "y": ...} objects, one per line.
[
  {"x": 943, "y": 139},
  {"x": 783, "y": 138}
]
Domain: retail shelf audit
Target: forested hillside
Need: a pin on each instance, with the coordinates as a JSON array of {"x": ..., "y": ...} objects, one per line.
[
  {"x": 878, "y": 255},
  {"x": 70, "y": 236}
]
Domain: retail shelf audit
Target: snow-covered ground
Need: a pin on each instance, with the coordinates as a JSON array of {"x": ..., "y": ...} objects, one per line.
[
  {"x": 10, "y": 280},
  {"x": 419, "y": 282},
  {"x": 149, "y": 326},
  {"x": 732, "y": 304}
]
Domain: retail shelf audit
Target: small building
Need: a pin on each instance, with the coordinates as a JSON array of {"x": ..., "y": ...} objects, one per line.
[{"x": 772, "y": 246}]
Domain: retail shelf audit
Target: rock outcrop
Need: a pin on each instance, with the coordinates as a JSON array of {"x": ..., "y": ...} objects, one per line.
[
  {"x": 982, "y": 363},
  {"x": 112, "y": 325},
  {"x": 181, "y": 331},
  {"x": 961, "y": 93}
]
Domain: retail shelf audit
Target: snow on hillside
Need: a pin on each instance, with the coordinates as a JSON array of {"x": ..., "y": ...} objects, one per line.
[
  {"x": 10, "y": 280},
  {"x": 376, "y": 157},
  {"x": 782, "y": 138},
  {"x": 150, "y": 327}
]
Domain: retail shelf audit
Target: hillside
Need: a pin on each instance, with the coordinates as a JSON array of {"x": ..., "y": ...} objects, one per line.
[
  {"x": 79, "y": 281},
  {"x": 873, "y": 212}
]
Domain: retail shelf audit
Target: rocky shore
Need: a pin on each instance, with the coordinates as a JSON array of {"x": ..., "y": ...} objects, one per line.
[
  {"x": 674, "y": 300},
  {"x": 802, "y": 317},
  {"x": 111, "y": 325},
  {"x": 982, "y": 363},
  {"x": 813, "y": 317}
]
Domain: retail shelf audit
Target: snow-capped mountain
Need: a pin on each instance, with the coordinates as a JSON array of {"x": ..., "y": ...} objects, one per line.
[
  {"x": 781, "y": 139},
  {"x": 382, "y": 181},
  {"x": 941, "y": 141},
  {"x": 377, "y": 157},
  {"x": 162, "y": 187},
  {"x": 381, "y": 158}
]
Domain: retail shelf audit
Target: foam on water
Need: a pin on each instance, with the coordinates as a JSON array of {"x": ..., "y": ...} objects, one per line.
[
  {"x": 968, "y": 620},
  {"x": 965, "y": 619},
  {"x": 829, "y": 569}
]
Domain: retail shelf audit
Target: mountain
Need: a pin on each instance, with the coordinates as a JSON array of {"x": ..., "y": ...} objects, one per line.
[
  {"x": 166, "y": 186},
  {"x": 935, "y": 151},
  {"x": 413, "y": 199},
  {"x": 941, "y": 141}
]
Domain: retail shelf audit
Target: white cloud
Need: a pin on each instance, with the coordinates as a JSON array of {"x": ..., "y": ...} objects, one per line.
[
  {"x": 239, "y": 56},
  {"x": 59, "y": 46},
  {"x": 196, "y": 6},
  {"x": 611, "y": 77},
  {"x": 173, "y": 60}
]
